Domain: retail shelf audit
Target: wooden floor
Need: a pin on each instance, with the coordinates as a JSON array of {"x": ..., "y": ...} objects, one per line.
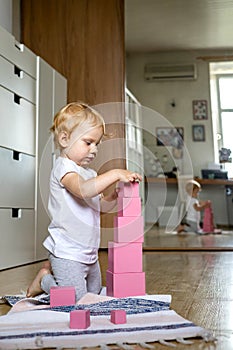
[
  {"x": 156, "y": 238},
  {"x": 201, "y": 285}
]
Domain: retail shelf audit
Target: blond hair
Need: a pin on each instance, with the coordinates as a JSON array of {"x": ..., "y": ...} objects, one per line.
[
  {"x": 73, "y": 115},
  {"x": 191, "y": 185}
]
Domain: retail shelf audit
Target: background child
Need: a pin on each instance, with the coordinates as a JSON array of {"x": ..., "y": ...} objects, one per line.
[
  {"x": 74, "y": 203},
  {"x": 193, "y": 207}
]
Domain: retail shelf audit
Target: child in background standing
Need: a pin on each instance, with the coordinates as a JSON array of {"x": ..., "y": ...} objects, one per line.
[
  {"x": 193, "y": 208},
  {"x": 74, "y": 203}
]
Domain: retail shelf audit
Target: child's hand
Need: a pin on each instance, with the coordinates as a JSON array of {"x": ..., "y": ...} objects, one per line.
[
  {"x": 206, "y": 204},
  {"x": 128, "y": 176},
  {"x": 108, "y": 202},
  {"x": 112, "y": 196}
]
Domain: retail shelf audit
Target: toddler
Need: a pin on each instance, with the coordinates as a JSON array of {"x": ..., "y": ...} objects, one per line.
[
  {"x": 193, "y": 208},
  {"x": 74, "y": 203}
]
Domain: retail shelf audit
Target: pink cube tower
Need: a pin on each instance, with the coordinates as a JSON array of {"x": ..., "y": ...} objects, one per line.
[
  {"x": 125, "y": 276},
  {"x": 208, "y": 222}
]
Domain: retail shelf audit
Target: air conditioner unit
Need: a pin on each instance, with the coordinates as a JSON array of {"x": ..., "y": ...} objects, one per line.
[{"x": 156, "y": 71}]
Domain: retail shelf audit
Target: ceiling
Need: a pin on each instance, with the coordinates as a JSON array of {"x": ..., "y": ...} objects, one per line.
[{"x": 161, "y": 25}]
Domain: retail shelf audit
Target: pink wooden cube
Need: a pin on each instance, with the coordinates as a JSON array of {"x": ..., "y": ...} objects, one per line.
[
  {"x": 129, "y": 189},
  {"x": 80, "y": 319},
  {"x": 128, "y": 229},
  {"x": 60, "y": 296},
  {"x": 121, "y": 285},
  {"x": 118, "y": 316},
  {"x": 124, "y": 257},
  {"x": 129, "y": 206}
]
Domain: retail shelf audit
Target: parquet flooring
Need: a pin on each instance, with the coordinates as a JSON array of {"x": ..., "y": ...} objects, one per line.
[{"x": 200, "y": 283}]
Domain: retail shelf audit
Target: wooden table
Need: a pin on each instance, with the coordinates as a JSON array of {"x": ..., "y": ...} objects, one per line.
[
  {"x": 212, "y": 182},
  {"x": 163, "y": 192}
]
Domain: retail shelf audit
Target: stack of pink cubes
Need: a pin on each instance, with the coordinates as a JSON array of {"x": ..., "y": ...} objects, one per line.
[
  {"x": 208, "y": 222},
  {"x": 125, "y": 276}
]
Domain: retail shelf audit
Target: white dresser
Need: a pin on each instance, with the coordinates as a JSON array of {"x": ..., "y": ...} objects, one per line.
[
  {"x": 30, "y": 93},
  {"x": 52, "y": 95}
]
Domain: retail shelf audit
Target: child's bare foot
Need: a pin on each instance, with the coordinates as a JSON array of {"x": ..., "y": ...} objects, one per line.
[
  {"x": 46, "y": 264},
  {"x": 35, "y": 288},
  {"x": 180, "y": 228}
]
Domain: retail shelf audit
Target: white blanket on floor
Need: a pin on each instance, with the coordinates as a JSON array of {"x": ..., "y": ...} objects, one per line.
[{"x": 149, "y": 319}]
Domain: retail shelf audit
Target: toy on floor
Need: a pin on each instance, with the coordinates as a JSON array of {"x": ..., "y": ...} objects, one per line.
[
  {"x": 125, "y": 276},
  {"x": 80, "y": 319},
  {"x": 118, "y": 316},
  {"x": 208, "y": 221},
  {"x": 61, "y": 296}
]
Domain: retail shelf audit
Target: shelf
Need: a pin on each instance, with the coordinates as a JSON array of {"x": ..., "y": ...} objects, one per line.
[{"x": 201, "y": 181}]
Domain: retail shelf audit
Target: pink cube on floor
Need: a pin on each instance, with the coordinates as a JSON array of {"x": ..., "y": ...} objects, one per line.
[
  {"x": 129, "y": 206},
  {"x": 60, "y": 296},
  {"x": 80, "y": 319},
  {"x": 129, "y": 189},
  {"x": 118, "y": 316},
  {"x": 121, "y": 285},
  {"x": 124, "y": 257},
  {"x": 128, "y": 229}
]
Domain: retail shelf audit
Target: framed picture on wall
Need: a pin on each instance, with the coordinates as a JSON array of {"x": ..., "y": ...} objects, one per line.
[
  {"x": 198, "y": 132},
  {"x": 170, "y": 136},
  {"x": 200, "y": 110}
]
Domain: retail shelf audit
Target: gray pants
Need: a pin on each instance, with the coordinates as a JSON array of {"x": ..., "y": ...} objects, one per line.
[
  {"x": 192, "y": 226},
  {"x": 84, "y": 277}
]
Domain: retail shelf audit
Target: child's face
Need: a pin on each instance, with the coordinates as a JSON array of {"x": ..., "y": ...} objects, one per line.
[
  {"x": 196, "y": 190},
  {"x": 82, "y": 147}
]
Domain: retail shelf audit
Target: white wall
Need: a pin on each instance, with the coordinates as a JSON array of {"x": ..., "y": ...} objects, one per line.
[
  {"x": 6, "y": 14},
  {"x": 158, "y": 96}
]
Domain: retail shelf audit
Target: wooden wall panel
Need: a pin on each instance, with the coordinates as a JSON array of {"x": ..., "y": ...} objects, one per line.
[{"x": 84, "y": 41}]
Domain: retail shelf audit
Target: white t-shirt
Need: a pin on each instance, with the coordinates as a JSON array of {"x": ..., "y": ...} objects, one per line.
[
  {"x": 75, "y": 223},
  {"x": 192, "y": 214}
]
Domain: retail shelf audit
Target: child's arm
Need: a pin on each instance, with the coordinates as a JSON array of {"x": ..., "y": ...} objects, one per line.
[
  {"x": 201, "y": 205},
  {"x": 108, "y": 202},
  {"x": 81, "y": 188},
  {"x": 111, "y": 197}
]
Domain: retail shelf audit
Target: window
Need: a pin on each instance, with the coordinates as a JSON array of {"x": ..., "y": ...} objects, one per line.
[{"x": 221, "y": 83}]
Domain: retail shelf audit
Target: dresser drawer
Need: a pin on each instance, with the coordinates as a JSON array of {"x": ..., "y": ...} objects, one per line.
[
  {"x": 17, "y": 237},
  {"x": 17, "y": 53},
  {"x": 16, "y": 80},
  {"x": 17, "y": 179},
  {"x": 18, "y": 122}
]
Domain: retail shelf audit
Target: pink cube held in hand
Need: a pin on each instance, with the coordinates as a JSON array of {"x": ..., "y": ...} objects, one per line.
[{"x": 129, "y": 189}]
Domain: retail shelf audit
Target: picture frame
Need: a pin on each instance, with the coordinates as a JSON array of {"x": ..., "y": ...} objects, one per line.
[
  {"x": 170, "y": 136},
  {"x": 198, "y": 132},
  {"x": 200, "y": 110}
]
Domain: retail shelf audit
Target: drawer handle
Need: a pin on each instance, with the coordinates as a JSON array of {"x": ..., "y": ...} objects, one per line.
[
  {"x": 16, "y": 213},
  {"x": 19, "y": 46},
  {"x": 18, "y": 72},
  {"x": 17, "y": 99},
  {"x": 16, "y": 155}
]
